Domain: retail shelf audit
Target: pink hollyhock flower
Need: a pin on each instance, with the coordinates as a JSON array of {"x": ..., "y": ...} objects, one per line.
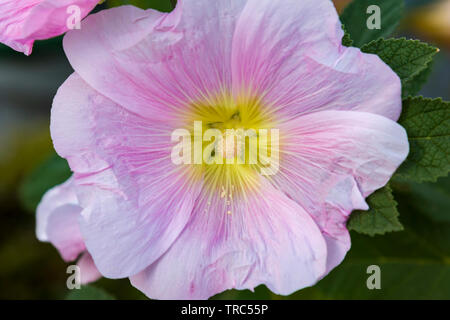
[
  {"x": 24, "y": 21},
  {"x": 192, "y": 231},
  {"x": 57, "y": 222}
]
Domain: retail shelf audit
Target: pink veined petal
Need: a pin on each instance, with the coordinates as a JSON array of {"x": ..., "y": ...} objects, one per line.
[
  {"x": 52, "y": 199},
  {"x": 24, "y": 21},
  {"x": 266, "y": 238},
  {"x": 153, "y": 63},
  {"x": 88, "y": 271},
  {"x": 332, "y": 160},
  {"x": 290, "y": 52},
  {"x": 124, "y": 160}
]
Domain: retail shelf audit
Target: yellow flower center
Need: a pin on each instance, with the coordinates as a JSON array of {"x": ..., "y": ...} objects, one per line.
[{"x": 231, "y": 141}]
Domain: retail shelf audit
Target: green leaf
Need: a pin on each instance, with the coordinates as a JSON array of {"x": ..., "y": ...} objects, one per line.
[
  {"x": 432, "y": 198},
  {"x": 410, "y": 59},
  {"x": 346, "y": 39},
  {"x": 427, "y": 122},
  {"x": 52, "y": 172},
  {"x": 355, "y": 18},
  {"x": 382, "y": 216},
  {"x": 89, "y": 293},
  {"x": 413, "y": 86},
  {"x": 161, "y": 5}
]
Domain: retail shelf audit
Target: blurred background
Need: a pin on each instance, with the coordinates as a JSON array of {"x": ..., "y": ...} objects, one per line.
[{"x": 415, "y": 263}]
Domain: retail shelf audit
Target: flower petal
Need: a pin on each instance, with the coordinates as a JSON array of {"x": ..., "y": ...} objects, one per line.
[
  {"x": 64, "y": 231},
  {"x": 57, "y": 220},
  {"x": 153, "y": 63},
  {"x": 135, "y": 200},
  {"x": 88, "y": 271},
  {"x": 52, "y": 199},
  {"x": 331, "y": 160},
  {"x": 290, "y": 51},
  {"x": 266, "y": 239},
  {"x": 24, "y": 21}
]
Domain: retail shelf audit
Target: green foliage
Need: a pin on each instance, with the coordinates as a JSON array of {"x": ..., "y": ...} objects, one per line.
[
  {"x": 412, "y": 87},
  {"x": 410, "y": 59},
  {"x": 89, "y": 293},
  {"x": 52, "y": 172},
  {"x": 346, "y": 39},
  {"x": 355, "y": 18},
  {"x": 161, "y": 5},
  {"x": 382, "y": 216},
  {"x": 432, "y": 198},
  {"x": 22, "y": 151},
  {"x": 427, "y": 122}
]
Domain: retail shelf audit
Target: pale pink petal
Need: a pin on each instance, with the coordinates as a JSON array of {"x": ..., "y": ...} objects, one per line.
[
  {"x": 64, "y": 231},
  {"x": 290, "y": 52},
  {"x": 88, "y": 271},
  {"x": 57, "y": 222},
  {"x": 264, "y": 239},
  {"x": 24, "y": 21},
  {"x": 135, "y": 200},
  {"x": 154, "y": 63},
  {"x": 332, "y": 160},
  {"x": 52, "y": 199}
]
